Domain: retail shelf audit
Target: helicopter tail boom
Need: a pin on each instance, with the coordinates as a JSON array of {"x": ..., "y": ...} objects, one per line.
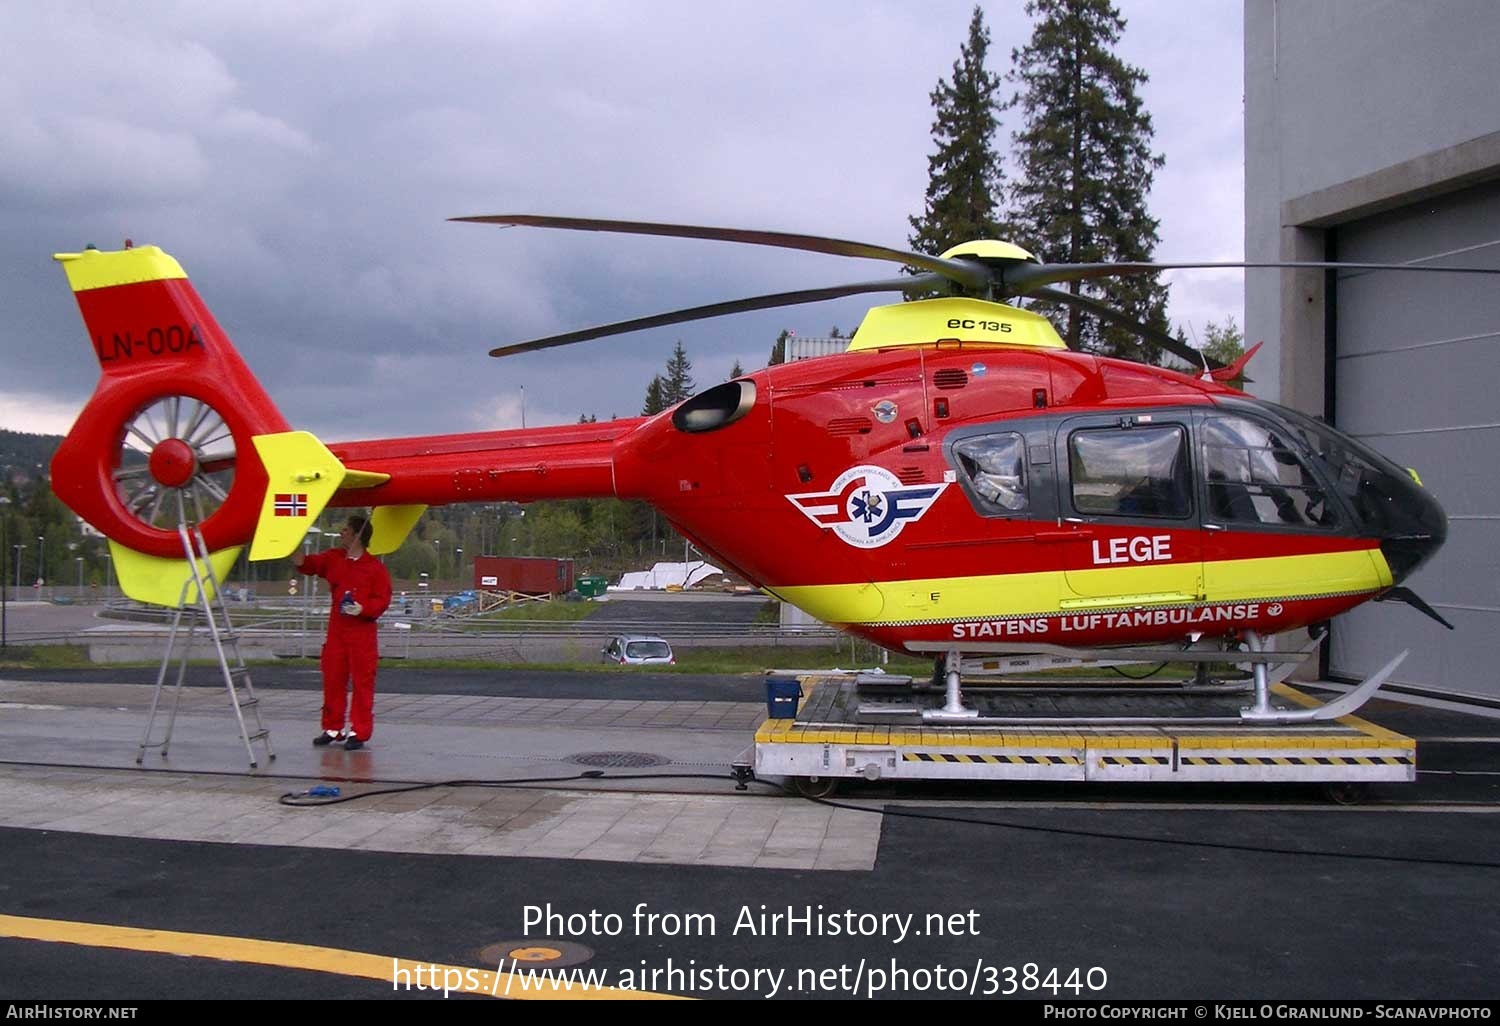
[{"x": 179, "y": 430}]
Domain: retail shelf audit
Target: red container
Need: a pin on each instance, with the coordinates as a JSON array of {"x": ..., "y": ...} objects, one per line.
[{"x": 531, "y": 575}]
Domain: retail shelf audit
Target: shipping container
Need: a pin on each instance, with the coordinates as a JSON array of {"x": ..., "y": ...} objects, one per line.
[{"x": 531, "y": 575}]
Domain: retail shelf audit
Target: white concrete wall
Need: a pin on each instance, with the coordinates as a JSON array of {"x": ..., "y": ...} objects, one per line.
[{"x": 1335, "y": 91}]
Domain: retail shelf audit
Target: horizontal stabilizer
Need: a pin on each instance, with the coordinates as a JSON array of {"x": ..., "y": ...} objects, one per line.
[
  {"x": 390, "y": 525},
  {"x": 364, "y": 478},
  {"x": 302, "y": 476},
  {"x": 165, "y": 582}
]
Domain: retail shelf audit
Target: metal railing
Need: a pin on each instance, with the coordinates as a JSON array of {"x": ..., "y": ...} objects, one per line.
[{"x": 295, "y": 627}]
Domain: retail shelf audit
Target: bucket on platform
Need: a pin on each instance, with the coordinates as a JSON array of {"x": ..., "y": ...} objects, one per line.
[{"x": 782, "y": 695}]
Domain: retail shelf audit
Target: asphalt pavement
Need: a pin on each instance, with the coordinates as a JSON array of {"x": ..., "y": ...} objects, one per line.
[{"x": 194, "y": 876}]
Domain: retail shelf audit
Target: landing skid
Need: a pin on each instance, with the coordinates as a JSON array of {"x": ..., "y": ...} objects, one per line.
[{"x": 1269, "y": 667}]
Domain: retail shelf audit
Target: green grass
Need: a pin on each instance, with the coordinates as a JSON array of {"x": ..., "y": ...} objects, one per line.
[
  {"x": 550, "y": 612},
  {"x": 757, "y": 658},
  {"x": 44, "y": 657},
  {"x": 743, "y": 660},
  {"x": 748, "y": 660}
]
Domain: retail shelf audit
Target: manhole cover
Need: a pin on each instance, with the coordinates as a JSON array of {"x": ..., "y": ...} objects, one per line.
[
  {"x": 533, "y": 953},
  {"x": 619, "y": 759}
]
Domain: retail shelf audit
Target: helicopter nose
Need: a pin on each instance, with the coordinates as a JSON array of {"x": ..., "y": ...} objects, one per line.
[{"x": 1412, "y": 524}]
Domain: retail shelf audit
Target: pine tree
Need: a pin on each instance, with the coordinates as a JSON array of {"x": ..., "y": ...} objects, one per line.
[
  {"x": 736, "y": 371},
  {"x": 1086, "y": 166},
  {"x": 965, "y": 179},
  {"x": 677, "y": 383},
  {"x": 778, "y": 351},
  {"x": 1225, "y": 344},
  {"x": 654, "y": 403}
]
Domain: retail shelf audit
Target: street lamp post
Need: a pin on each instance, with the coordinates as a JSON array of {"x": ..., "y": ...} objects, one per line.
[
  {"x": 4, "y": 546},
  {"x": 437, "y": 570},
  {"x": 307, "y": 586},
  {"x": 16, "y": 549},
  {"x": 79, "y": 561},
  {"x": 312, "y": 581},
  {"x": 459, "y": 570},
  {"x": 41, "y": 559}
]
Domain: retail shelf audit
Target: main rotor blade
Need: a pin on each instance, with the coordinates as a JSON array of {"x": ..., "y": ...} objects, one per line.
[
  {"x": 911, "y": 283},
  {"x": 1176, "y": 347},
  {"x": 1022, "y": 279},
  {"x": 966, "y": 273}
]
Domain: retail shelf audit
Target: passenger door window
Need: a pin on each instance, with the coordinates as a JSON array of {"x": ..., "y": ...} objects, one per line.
[
  {"x": 994, "y": 468},
  {"x": 1137, "y": 472}
]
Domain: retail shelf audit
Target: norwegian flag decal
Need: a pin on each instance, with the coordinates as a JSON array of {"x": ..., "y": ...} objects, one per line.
[{"x": 291, "y": 505}]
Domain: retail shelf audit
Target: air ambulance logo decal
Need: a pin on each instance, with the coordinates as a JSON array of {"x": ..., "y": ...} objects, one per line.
[{"x": 868, "y": 506}]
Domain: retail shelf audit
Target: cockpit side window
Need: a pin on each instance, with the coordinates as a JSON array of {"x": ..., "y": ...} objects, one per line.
[
  {"x": 1254, "y": 476},
  {"x": 995, "y": 468},
  {"x": 1141, "y": 472}
]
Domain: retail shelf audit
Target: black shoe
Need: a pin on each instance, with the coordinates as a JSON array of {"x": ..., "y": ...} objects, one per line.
[
  {"x": 327, "y": 737},
  {"x": 354, "y": 744}
]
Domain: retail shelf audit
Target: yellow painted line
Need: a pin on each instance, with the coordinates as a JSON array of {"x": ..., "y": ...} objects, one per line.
[
  {"x": 307, "y": 956},
  {"x": 1372, "y": 731},
  {"x": 987, "y": 740},
  {"x": 773, "y": 730}
]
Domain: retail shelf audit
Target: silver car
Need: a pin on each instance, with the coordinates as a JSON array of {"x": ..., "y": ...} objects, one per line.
[{"x": 637, "y": 650}]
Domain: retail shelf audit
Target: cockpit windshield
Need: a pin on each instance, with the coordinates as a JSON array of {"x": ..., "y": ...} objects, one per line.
[
  {"x": 1387, "y": 502},
  {"x": 1255, "y": 476},
  {"x": 1367, "y": 481}
]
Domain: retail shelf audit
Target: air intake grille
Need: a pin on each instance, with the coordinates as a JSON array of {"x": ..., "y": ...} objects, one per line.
[
  {"x": 950, "y": 377},
  {"x": 911, "y": 475},
  {"x": 849, "y": 426}
]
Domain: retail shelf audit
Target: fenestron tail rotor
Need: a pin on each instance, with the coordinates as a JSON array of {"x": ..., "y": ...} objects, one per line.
[{"x": 189, "y": 457}]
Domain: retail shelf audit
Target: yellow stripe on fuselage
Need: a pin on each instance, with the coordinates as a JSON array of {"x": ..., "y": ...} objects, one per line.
[
  {"x": 1047, "y": 592},
  {"x": 100, "y": 269}
]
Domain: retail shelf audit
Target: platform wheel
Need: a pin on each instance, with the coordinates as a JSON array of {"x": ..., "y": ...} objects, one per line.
[
  {"x": 1346, "y": 793},
  {"x": 815, "y": 787}
]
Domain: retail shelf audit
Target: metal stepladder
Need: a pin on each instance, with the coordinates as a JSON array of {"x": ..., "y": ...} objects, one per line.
[{"x": 210, "y": 612}]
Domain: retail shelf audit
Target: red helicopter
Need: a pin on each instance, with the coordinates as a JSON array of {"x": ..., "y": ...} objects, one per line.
[{"x": 958, "y": 483}]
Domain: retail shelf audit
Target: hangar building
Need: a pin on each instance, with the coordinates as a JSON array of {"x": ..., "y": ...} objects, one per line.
[{"x": 1372, "y": 133}]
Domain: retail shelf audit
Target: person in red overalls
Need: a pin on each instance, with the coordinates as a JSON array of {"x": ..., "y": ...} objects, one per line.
[{"x": 360, "y": 588}]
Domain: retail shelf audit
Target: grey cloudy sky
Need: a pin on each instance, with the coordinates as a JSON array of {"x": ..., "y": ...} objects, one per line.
[{"x": 300, "y": 161}]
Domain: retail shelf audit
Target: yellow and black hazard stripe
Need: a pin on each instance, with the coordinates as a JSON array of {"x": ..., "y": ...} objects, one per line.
[
  {"x": 1003, "y": 760},
  {"x": 1299, "y": 760},
  {"x": 1136, "y": 760}
]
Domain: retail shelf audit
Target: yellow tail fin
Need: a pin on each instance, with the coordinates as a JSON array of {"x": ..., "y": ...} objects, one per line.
[
  {"x": 303, "y": 477},
  {"x": 391, "y": 525},
  {"x": 165, "y": 582}
]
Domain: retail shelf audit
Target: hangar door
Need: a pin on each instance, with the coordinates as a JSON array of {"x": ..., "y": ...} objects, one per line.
[{"x": 1417, "y": 376}]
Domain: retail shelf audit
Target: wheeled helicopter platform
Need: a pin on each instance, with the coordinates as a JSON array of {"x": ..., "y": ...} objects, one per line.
[{"x": 855, "y": 726}]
